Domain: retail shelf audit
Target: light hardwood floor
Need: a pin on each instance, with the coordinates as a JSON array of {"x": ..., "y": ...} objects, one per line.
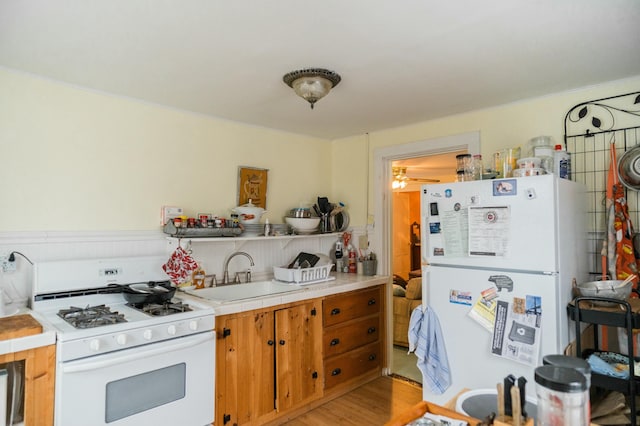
[{"x": 371, "y": 404}]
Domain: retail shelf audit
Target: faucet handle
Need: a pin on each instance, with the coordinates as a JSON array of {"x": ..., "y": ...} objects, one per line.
[
  {"x": 247, "y": 276},
  {"x": 236, "y": 279},
  {"x": 214, "y": 281}
]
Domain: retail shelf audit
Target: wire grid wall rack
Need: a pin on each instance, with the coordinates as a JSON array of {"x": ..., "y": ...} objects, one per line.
[{"x": 589, "y": 129}]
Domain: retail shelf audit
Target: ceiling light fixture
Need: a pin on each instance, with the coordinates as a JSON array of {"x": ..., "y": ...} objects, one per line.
[
  {"x": 312, "y": 84},
  {"x": 401, "y": 180},
  {"x": 399, "y": 177}
]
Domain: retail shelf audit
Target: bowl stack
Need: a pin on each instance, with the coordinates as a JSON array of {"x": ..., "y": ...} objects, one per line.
[{"x": 303, "y": 225}]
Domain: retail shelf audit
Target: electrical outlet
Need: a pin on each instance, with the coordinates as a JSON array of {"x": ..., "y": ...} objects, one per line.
[{"x": 7, "y": 266}]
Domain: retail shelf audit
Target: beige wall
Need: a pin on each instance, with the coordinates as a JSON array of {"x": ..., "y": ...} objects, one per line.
[
  {"x": 500, "y": 127},
  {"x": 79, "y": 160}
]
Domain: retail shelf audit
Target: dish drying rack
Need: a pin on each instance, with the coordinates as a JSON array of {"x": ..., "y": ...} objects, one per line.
[{"x": 302, "y": 276}]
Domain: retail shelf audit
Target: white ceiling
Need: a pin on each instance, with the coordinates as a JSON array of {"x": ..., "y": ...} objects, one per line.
[{"x": 401, "y": 61}]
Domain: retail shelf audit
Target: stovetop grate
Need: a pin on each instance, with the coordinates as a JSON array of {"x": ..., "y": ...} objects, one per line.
[
  {"x": 91, "y": 316},
  {"x": 161, "y": 309}
]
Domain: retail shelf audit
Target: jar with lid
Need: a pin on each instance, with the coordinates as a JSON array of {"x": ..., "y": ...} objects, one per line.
[
  {"x": 477, "y": 167},
  {"x": 563, "y": 397},
  {"x": 464, "y": 162}
]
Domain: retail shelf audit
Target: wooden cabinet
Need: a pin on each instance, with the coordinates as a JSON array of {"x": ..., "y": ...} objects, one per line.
[
  {"x": 268, "y": 361},
  {"x": 352, "y": 342},
  {"x": 39, "y": 372}
]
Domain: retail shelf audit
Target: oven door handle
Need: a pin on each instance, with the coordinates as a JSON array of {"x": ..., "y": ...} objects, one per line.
[{"x": 138, "y": 354}]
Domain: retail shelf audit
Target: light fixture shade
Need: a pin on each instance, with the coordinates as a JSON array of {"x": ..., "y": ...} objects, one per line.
[
  {"x": 399, "y": 177},
  {"x": 312, "y": 84}
]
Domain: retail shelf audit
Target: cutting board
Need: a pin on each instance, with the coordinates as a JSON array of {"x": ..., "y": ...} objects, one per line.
[{"x": 18, "y": 326}]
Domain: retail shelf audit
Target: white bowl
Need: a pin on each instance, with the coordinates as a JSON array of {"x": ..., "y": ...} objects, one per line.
[{"x": 303, "y": 224}]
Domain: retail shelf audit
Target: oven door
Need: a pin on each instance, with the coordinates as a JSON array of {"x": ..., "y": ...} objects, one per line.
[{"x": 165, "y": 383}]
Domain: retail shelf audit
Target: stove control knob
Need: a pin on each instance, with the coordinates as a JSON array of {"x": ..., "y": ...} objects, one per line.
[
  {"x": 148, "y": 334},
  {"x": 121, "y": 339},
  {"x": 193, "y": 325},
  {"x": 94, "y": 345},
  {"x": 171, "y": 330}
]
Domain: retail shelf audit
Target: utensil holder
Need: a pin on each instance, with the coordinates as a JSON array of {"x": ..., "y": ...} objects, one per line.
[{"x": 369, "y": 267}]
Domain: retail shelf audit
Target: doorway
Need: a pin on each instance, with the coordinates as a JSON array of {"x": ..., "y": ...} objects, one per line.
[{"x": 400, "y": 363}]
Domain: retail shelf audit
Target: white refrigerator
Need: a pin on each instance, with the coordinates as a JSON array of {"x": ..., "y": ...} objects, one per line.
[{"x": 499, "y": 257}]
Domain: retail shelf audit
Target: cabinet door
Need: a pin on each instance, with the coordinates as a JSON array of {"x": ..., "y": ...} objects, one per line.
[
  {"x": 298, "y": 354},
  {"x": 245, "y": 364}
]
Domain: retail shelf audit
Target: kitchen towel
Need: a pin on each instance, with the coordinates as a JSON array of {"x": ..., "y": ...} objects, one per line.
[
  {"x": 179, "y": 266},
  {"x": 427, "y": 341}
]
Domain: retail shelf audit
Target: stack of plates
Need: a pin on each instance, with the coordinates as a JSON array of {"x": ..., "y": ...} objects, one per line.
[
  {"x": 256, "y": 229},
  {"x": 252, "y": 229},
  {"x": 279, "y": 229}
]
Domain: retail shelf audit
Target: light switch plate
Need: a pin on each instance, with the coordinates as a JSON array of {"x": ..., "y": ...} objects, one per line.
[{"x": 363, "y": 242}]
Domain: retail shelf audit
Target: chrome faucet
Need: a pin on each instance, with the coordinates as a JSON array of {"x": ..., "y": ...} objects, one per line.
[{"x": 225, "y": 276}]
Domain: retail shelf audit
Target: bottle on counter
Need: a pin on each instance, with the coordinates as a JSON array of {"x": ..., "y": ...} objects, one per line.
[{"x": 339, "y": 254}]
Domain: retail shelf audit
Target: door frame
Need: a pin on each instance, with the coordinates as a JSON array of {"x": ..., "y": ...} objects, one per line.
[{"x": 382, "y": 159}]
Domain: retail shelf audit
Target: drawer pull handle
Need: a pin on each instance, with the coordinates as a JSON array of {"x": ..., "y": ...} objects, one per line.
[
  {"x": 335, "y": 311},
  {"x": 334, "y": 342},
  {"x": 314, "y": 375},
  {"x": 372, "y": 302},
  {"x": 270, "y": 342},
  {"x": 336, "y": 372},
  {"x": 371, "y": 330},
  {"x": 372, "y": 357},
  {"x": 281, "y": 342}
]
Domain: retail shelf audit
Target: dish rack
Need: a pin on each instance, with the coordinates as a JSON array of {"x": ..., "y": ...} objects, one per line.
[{"x": 303, "y": 275}]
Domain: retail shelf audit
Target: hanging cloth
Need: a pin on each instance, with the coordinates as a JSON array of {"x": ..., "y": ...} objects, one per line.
[
  {"x": 621, "y": 259},
  {"x": 608, "y": 252}
]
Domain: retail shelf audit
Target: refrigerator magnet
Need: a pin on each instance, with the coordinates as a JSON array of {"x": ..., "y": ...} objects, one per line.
[
  {"x": 505, "y": 187},
  {"x": 434, "y": 228}
]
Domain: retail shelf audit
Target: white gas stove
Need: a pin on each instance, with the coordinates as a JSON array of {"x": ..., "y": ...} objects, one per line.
[{"x": 138, "y": 361}]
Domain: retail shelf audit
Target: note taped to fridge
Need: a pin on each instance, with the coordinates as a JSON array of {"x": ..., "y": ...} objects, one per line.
[
  {"x": 517, "y": 328},
  {"x": 455, "y": 229},
  {"x": 489, "y": 229}
]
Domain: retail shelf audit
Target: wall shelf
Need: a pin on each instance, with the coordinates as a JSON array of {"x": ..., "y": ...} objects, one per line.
[{"x": 239, "y": 242}]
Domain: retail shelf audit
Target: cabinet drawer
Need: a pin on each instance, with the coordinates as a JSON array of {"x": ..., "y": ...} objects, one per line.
[
  {"x": 344, "y": 337},
  {"x": 352, "y": 364},
  {"x": 345, "y": 307}
]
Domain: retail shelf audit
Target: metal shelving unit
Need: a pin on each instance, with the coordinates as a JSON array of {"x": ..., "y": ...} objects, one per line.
[{"x": 627, "y": 318}]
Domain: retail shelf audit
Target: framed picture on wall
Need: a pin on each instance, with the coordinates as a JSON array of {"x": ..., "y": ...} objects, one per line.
[{"x": 252, "y": 185}]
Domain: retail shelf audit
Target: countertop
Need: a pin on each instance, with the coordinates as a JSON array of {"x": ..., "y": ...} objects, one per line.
[
  {"x": 46, "y": 338},
  {"x": 342, "y": 283}
]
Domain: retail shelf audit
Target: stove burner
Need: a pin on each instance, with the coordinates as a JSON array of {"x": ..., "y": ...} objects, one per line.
[
  {"x": 91, "y": 316},
  {"x": 161, "y": 309}
]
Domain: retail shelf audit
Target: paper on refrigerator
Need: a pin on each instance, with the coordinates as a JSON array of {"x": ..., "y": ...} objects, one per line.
[
  {"x": 517, "y": 330},
  {"x": 484, "y": 309}
]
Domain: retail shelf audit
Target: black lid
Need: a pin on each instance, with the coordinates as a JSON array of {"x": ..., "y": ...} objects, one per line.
[
  {"x": 562, "y": 379},
  {"x": 567, "y": 361},
  {"x": 463, "y": 156}
]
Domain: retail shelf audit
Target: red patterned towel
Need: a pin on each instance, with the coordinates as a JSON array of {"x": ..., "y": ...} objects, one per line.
[{"x": 179, "y": 266}]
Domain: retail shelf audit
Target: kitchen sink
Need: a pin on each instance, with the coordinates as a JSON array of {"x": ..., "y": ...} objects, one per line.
[{"x": 233, "y": 292}]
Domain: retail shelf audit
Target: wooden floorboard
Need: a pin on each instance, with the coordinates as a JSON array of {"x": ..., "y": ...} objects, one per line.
[{"x": 371, "y": 404}]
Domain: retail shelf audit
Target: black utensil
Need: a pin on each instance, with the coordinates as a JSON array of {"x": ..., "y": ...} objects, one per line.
[
  {"x": 323, "y": 203},
  {"x": 522, "y": 382},
  {"x": 509, "y": 382}
]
